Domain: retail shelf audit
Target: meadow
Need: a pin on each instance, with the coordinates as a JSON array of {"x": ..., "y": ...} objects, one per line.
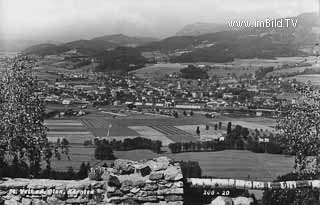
[
  {"x": 205, "y": 134},
  {"x": 239, "y": 67},
  {"x": 223, "y": 164},
  {"x": 73, "y": 130},
  {"x": 158, "y": 70},
  {"x": 313, "y": 78},
  {"x": 228, "y": 163}
]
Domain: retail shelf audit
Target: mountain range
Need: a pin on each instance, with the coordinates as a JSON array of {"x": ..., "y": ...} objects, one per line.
[
  {"x": 265, "y": 42},
  {"x": 15, "y": 45},
  {"x": 219, "y": 45},
  {"x": 200, "y": 28},
  {"x": 89, "y": 47}
]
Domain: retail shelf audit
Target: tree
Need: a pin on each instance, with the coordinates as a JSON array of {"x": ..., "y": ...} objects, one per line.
[
  {"x": 83, "y": 171},
  {"x": 299, "y": 133},
  {"x": 190, "y": 169},
  {"x": 70, "y": 173},
  {"x": 65, "y": 146},
  {"x": 175, "y": 114},
  {"x": 87, "y": 143},
  {"x": 65, "y": 142},
  {"x": 229, "y": 129},
  {"x": 244, "y": 132},
  {"x": 103, "y": 152},
  {"x": 185, "y": 113},
  {"x": 302, "y": 196},
  {"x": 220, "y": 125},
  {"x": 23, "y": 134},
  {"x": 198, "y": 131},
  {"x": 299, "y": 126},
  {"x": 193, "y": 72},
  {"x": 121, "y": 59},
  {"x": 237, "y": 131}
]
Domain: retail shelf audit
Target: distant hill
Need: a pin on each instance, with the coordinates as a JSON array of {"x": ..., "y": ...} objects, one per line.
[
  {"x": 45, "y": 49},
  {"x": 121, "y": 59},
  {"x": 197, "y": 29},
  {"x": 88, "y": 47},
  {"x": 123, "y": 40},
  {"x": 221, "y": 46},
  {"x": 16, "y": 45},
  {"x": 245, "y": 48},
  {"x": 224, "y": 46}
]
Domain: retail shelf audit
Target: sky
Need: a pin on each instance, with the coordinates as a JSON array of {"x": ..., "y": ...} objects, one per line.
[{"x": 65, "y": 20}]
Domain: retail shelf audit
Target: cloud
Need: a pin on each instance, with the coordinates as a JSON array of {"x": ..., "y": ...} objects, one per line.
[{"x": 73, "y": 19}]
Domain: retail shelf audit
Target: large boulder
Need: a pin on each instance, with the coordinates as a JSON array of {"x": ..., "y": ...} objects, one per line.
[
  {"x": 173, "y": 174},
  {"x": 123, "y": 166},
  {"x": 114, "y": 181},
  {"x": 160, "y": 163},
  {"x": 220, "y": 200},
  {"x": 105, "y": 176},
  {"x": 144, "y": 170},
  {"x": 156, "y": 176},
  {"x": 126, "y": 186},
  {"x": 139, "y": 183},
  {"x": 242, "y": 201},
  {"x": 173, "y": 198}
]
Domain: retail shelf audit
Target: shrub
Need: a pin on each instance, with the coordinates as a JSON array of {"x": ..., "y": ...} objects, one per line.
[
  {"x": 305, "y": 196},
  {"x": 87, "y": 143},
  {"x": 103, "y": 152},
  {"x": 190, "y": 169},
  {"x": 131, "y": 144},
  {"x": 83, "y": 171},
  {"x": 96, "y": 173}
]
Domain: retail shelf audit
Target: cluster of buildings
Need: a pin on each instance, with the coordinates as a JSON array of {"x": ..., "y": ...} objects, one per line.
[{"x": 172, "y": 92}]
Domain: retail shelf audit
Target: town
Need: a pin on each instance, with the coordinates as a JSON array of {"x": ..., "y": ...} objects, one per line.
[
  {"x": 160, "y": 102},
  {"x": 247, "y": 92}
]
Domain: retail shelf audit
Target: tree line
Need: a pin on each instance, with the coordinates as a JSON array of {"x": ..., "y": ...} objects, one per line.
[
  {"x": 104, "y": 148},
  {"x": 20, "y": 169},
  {"x": 206, "y": 146},
  {"x": 236, "y": 138}
]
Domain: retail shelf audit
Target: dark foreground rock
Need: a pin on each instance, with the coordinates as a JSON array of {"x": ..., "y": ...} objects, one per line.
[{"x": 157, "y": 181}]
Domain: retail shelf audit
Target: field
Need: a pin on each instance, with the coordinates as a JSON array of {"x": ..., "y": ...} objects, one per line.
[
  {"x": 224, "y": 164},
  {"x": 163, "y": 121},
  {"x": 313, "y": 78},
  {"x": 175, "y": 134},
  {"x": 205, "y": 134},
  {"x": 158, "y": 70},
  {"x": 48, "y": 72},
  {"x": 88, "y": 127},
  {"x": 261, "y": 122},
  {"x": 290, "y": 71},
  {"x": 167, "y": 130},
  {"x": 46, "y": 76},
  {"x": 223, "y": 72},
  {"x": 238, "y": 67},
  {"x": 149, "y": 133},
  {"x": 229, "y": 163},
  {"x": 255, "y": 62},
  {"x": 100, "y": 126},
  {"x": 255, "y": 125},
  {"x": 73, "y": 130}
]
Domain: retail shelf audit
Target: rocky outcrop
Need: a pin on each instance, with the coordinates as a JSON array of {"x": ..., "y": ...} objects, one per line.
[
  {"x": 151, "y": 182},
  {"x": 157, "y": 181},
  {"x": 220, "y": 200}
]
